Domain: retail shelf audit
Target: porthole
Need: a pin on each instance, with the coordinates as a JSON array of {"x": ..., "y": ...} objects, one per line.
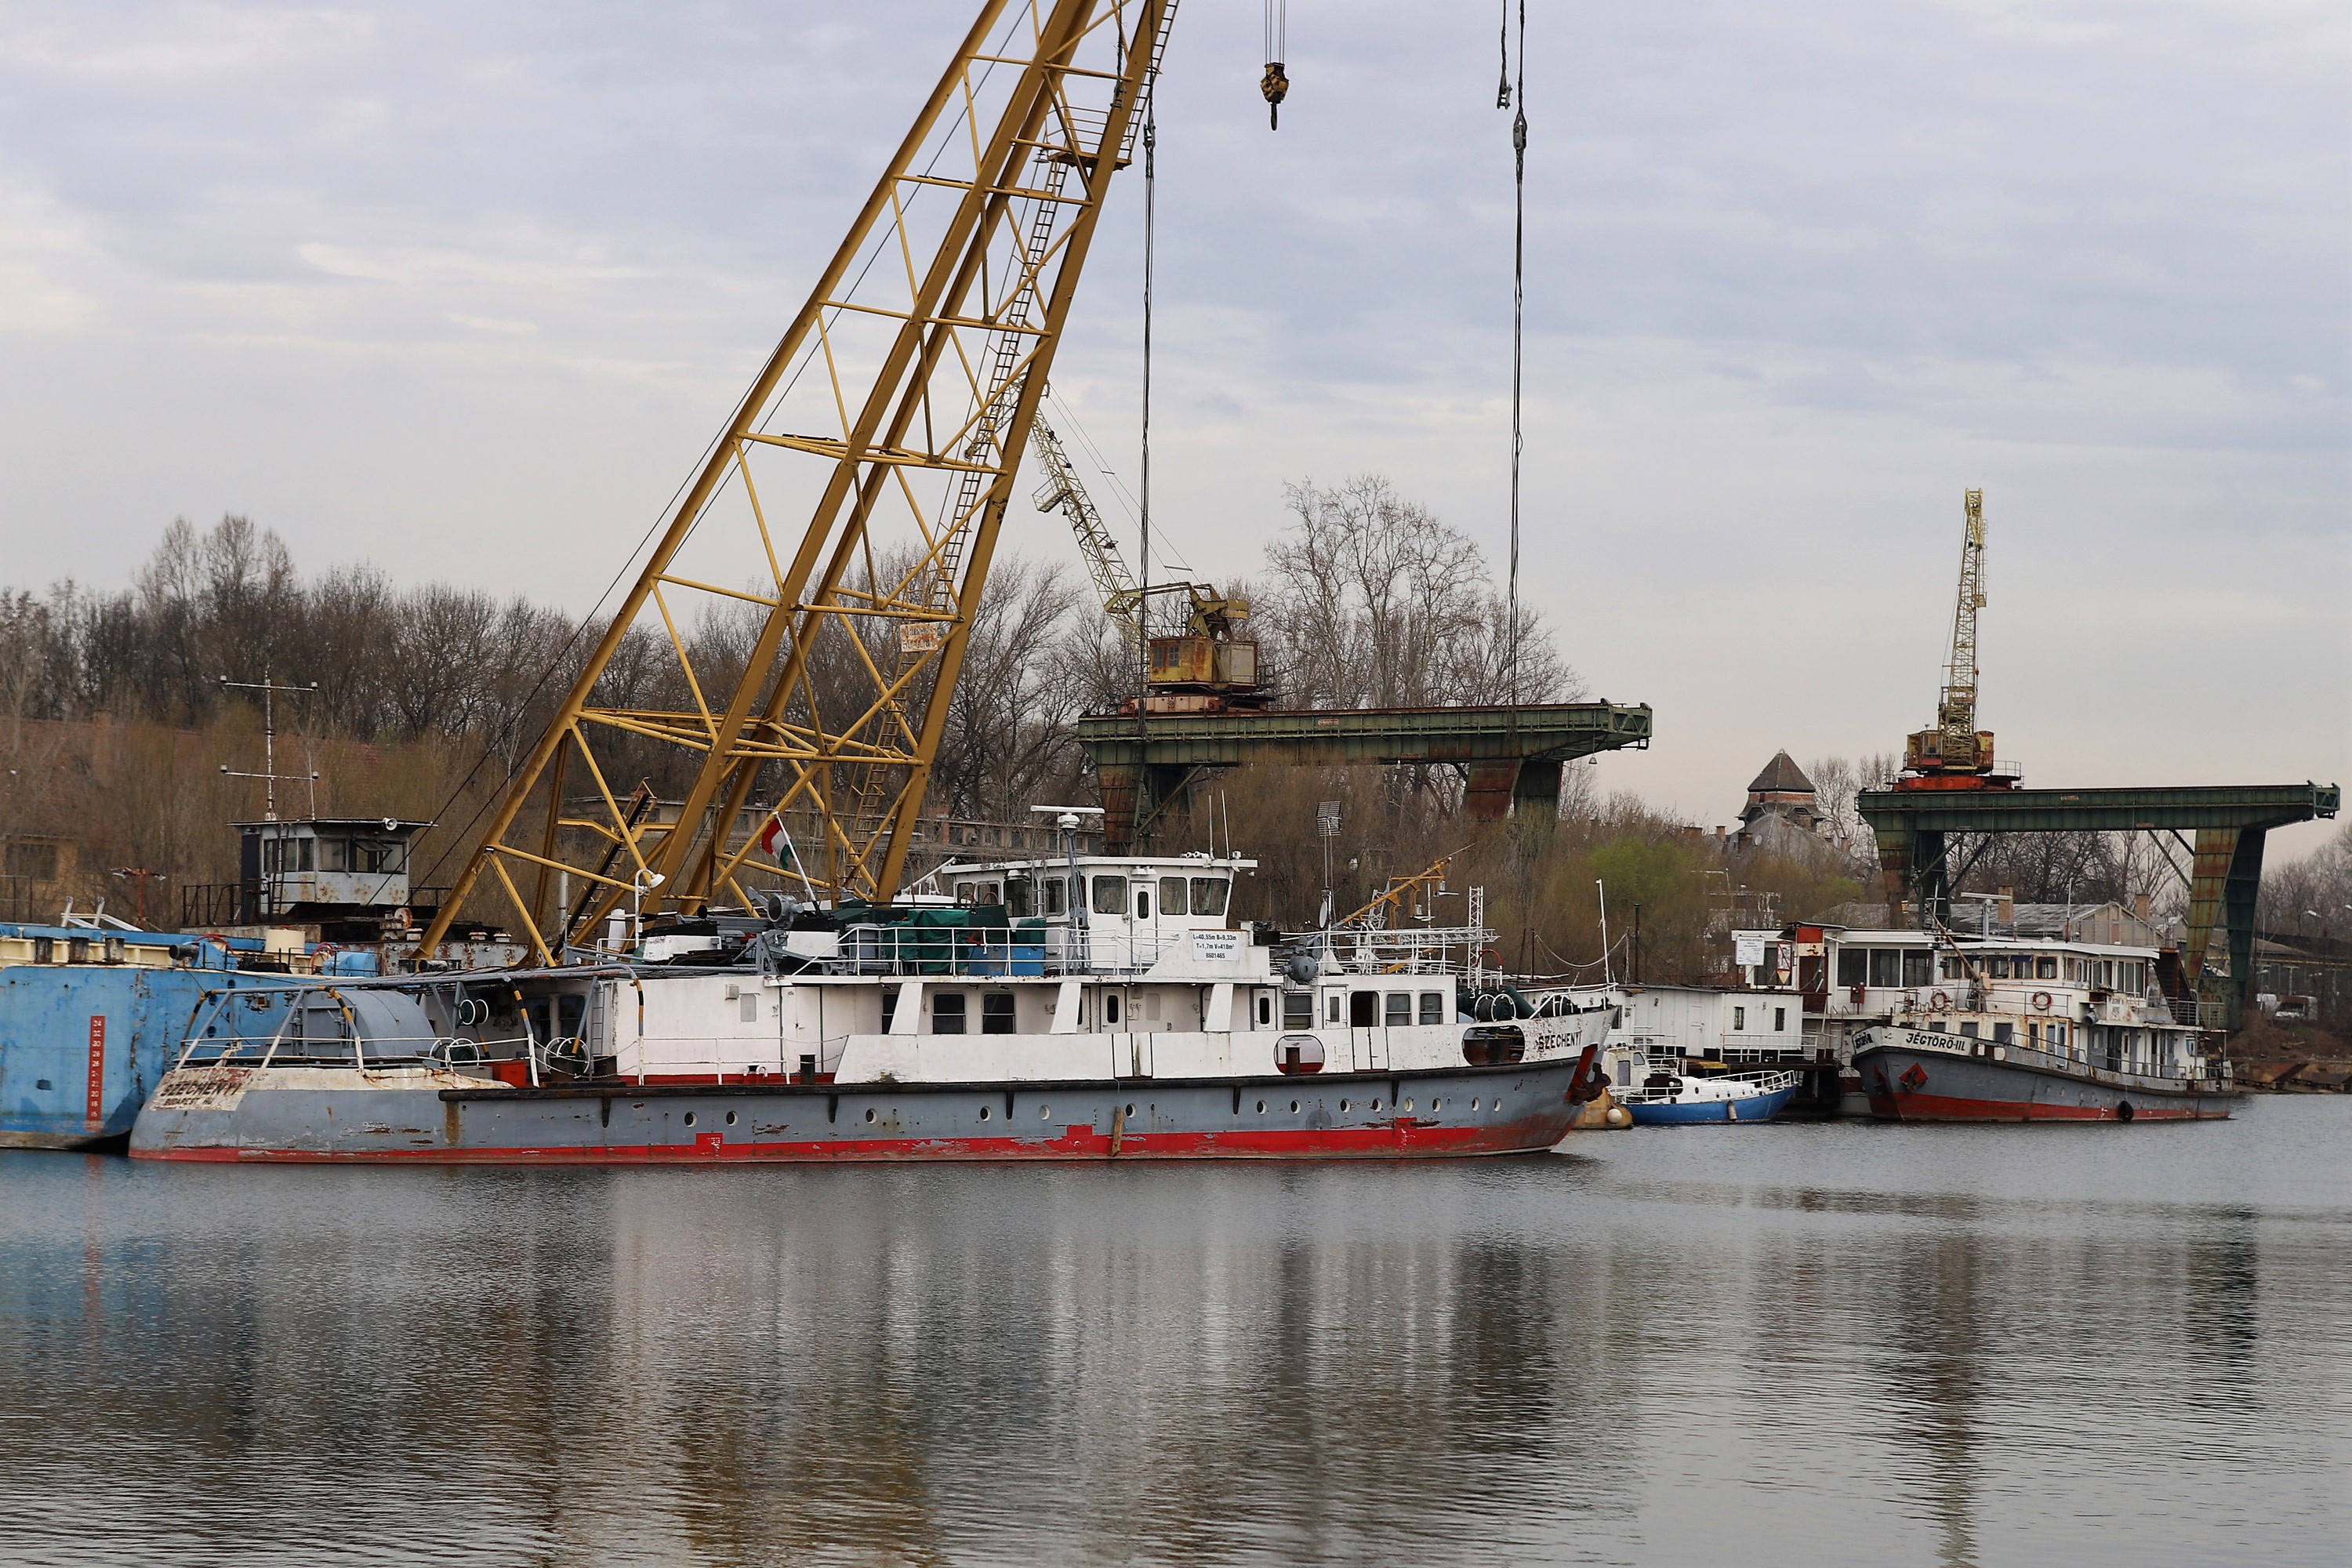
[
  {"x": 1343, "y": 1105},
  {"x": 1294, "y": 1108},
  {"x": 869, "y": 1113},
  {"x": 1261, "y": 1107},
  {"x": 1474, "y": 1105},
  {"x": 1044, "y": 1113},
  {"x": 730, "y": 1119},
  {"x": 1130, "y": 1109},
  {"x": 689, "y": 1119},
  {"x": 1376, "y": 1105},
  {"x": 1407, "y": 1103},
  {"x": 1435, "y": 1106},
  {"x": 984, "y": 1112}
]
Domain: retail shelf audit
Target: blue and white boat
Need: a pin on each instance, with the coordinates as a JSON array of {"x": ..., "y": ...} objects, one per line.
[{"x": 1669, "y": 1097}]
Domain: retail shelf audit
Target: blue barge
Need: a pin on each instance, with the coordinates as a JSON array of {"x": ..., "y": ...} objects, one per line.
[{"x": 92, "y": 1018}]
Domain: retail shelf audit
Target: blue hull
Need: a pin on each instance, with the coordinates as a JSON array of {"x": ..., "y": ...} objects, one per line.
[
  {"x": 82, "y": 1046},
  {"x": 1751, "y": 1109}
]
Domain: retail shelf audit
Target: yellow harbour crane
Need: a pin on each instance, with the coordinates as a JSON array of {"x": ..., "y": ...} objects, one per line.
[
  {"x": 1206, "y": 661},
  {"x": 1955, "y": 753}
]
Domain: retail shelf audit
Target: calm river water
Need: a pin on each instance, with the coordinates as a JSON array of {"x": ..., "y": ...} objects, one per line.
[{"x": 1800, "y": 1345}]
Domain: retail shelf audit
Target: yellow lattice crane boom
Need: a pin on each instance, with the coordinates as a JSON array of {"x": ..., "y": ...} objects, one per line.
[
  {"x": 1955, "y": 751},
  {"x": 1206, "y": 660},
  {"x": 1061, "y": 491},
  {"x": 891, "y": 416}
]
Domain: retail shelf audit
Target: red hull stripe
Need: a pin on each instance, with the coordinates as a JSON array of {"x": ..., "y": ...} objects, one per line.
[
  {"x": 1914, "y": 1107},
  {"x": 1403, "y": 1139}
]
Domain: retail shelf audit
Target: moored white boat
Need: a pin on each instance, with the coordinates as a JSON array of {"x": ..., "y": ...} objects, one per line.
[
  {"x": 2043, "y": 1030},
  {"x": 1675, "y": 1097},
  {"x": 1080, "y": 1008}
]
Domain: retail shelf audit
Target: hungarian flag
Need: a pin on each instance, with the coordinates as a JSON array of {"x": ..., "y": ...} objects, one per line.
[{"x": 776, "y": 844}]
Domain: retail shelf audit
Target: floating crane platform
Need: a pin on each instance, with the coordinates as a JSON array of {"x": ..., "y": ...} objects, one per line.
[{"x": 1510, "y": 756}]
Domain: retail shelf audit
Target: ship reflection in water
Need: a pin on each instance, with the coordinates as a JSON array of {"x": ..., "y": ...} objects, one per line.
[{"x": 1808, "y": 1344}]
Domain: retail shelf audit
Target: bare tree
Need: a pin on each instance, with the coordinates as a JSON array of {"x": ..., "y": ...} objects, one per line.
[{"x": 1374, "y": 601}]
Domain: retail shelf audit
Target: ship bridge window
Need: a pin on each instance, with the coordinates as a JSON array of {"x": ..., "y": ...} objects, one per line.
[
  {"x": 1918, "y": 966},
  {"x": 1886, "y": 967},
  {"x": 1998, "y": 966},
  {"x": 1110, "y": 895},
  {"x": 1021, "y": 898},
  {"x": 1298, "y": 1009},
  {"x": 1432, "y": 1006},
  {"x": 1398, "y": 1009},
  {"x": 996, "y": 1013},
  {"x": 1057, "y": 896},
  {"x": 2045, "y": 967},
  {"x": 947, "y": 1013},
  {"x": 1171, "y": 896},
  {"x": 1208, "y": 895},
  {"x": 1853, "y": 966}
]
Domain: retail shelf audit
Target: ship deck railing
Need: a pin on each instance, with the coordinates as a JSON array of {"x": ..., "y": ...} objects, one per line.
[
  {"x": 1411, "y": 950},
  {"x": 934, "y": 953},
  {"x": 2078, "y": 1061}
]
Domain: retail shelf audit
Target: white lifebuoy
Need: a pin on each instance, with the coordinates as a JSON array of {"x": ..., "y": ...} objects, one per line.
[
  {"x": 1941, "y": 1002},
  {"x": 2042, "y": 1001}
]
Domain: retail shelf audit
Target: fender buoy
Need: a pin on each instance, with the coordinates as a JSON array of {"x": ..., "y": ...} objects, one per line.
[
  {"x": 2123, "y": 1110},
  {"x": 1941, "y": 1002},
  {"x": 2042, "y": 1001}
]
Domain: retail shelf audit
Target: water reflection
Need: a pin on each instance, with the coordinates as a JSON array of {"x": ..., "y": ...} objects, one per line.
[{"x": 1802, "y": 1345}]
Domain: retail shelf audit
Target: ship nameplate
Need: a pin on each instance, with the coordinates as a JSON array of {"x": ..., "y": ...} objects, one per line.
[{"x": 203, "y": 1089}]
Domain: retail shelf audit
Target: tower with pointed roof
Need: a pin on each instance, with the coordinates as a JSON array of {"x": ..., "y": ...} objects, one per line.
[{"x": 1781, "y": 794}]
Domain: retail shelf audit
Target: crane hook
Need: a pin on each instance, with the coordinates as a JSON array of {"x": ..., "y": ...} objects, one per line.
[{"x": 1275, "y": 86}]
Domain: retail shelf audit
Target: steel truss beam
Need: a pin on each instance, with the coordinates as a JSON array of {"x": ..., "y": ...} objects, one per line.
[
  {"x": 1510, "y": 756},
  {"x": 895, "y": 409},
  {"x": 2231, "y": 823}
]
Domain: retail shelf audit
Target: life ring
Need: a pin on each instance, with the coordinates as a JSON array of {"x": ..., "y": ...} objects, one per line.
[
  {"x": 1941, "y": 1002},
  {"x": 2042, "y": 1001}
]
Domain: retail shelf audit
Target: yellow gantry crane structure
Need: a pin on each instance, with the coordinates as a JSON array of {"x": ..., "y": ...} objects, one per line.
[
  {"x": 891, "y": 417},
  {"x": 1955, "y": 751}
]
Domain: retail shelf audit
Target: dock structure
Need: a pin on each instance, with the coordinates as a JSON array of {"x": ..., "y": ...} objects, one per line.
[
  {"x": 1913, "y": 827},
  {"x": 1509, "y": 756}
]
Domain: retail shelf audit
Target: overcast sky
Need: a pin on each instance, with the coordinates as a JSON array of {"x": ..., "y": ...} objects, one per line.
[{"x": 463, "y": 289}]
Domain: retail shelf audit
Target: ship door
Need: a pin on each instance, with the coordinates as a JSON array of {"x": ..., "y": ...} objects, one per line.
[
  {"x": 1363, "y": 1031},
  {"x": 1147, "y": 907}
]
